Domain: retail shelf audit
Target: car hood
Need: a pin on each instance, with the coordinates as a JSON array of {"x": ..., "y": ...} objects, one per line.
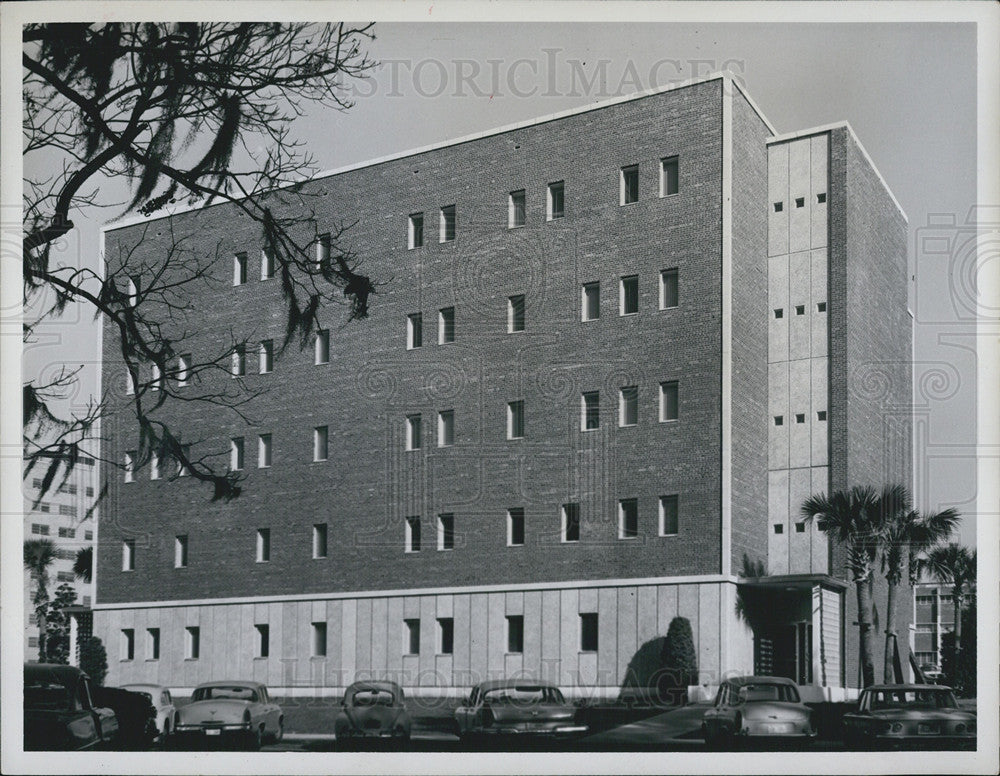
[
  {"x": 925, "y": 715},
  {"x": 218, "y": 710},
  {"x": 778, "y": 709},
  {"x": 372, "y": 717},
  {"x": 540, "y": 712}
]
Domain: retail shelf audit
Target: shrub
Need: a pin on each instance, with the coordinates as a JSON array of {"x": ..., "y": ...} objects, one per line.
[
  {"x": 93, "y": 659},
  {"x": 680, "y": 661}
]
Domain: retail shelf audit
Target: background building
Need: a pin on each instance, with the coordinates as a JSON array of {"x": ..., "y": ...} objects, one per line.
[
  {"x": 933, "y": 616},
  {"x": 612, "y": 352}
]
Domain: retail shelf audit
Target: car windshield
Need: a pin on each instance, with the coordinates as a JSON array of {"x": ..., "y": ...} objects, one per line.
[
  {"x": 227, "y": 691},
  {"x": 523, "y": 695},
  {"x": 42, "y": 694},
  {"x": 913, "y": 699},
  {"x": 371, "y": 696},
  {"x": 762, "y": 693}
]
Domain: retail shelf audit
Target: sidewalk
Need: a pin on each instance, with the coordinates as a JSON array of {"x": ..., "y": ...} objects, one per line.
[{"x": 684, "y": 722}]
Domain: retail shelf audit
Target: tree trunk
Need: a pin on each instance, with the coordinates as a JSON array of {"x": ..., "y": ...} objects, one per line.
[
  {"x": 864, "y": 633},
  {"x": 888, "y": 672}
]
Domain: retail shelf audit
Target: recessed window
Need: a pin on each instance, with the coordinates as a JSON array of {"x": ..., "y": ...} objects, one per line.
[
  {"x": 319, "y": 639},
  {"x": 263, "y": 451},
  {"x": 591, "y": 306},
  {"x": 779, "y": 312},
  {"x": 515, "y": 633},
  {"x": 182, "y": 469},
  {"x": 319, "y": 540},
  {"x": 779, "y": 528},
  {"x": 446, "y": 325},
  {"x": 128, "y": 555},
  {"x": 414, "y": 331},
  {"x": 133, "y": 291},
  {"x": 448, "y": 223},
  {"x": 152, "y": 643},
  {"x": 669, "y": 178},
  {"x": 800, "y": 202},
  {"x": 669, "y": 289},
  {"x": 515, "y": 313},
  {"x": 411, "y": 637},
  {"x": 445, "y": 635},
  {"x": 415, "y": 230},
  {"x": 130, "y": 460},
  {"x": 323, "y": 249},
  {"x": 516, "y": 209},
  {"x": 629, "y": 185},
  {"x": 628, "y": 518},
  {"x": 266, "y": 264},
  {"x": 239, "y": 269},
  {"x": 321, "y": 353},
  {"x": 555, "y": 201},
  {"x": 800, "y": 528},
  {"x": 590, "y": 411},
  {"x": 88, "y": 536},
  {"x": 800, "y": 417},
  {"x": 413, "y": 432},
  {"x": 320, "y": 443},
  {"x": 236, "y": 454},
  {"x": 779, "y": 420},
  {"x": 180, "y": 551},
  {"x": 570, "y": 522},
  {"x": 821, "y": 307},
  {"x": 628, "y": 295},
  {"x": 128, "y": 644},
  {"x": 156, "y": 382},
  {"x": 446, "y": 531},
  {"x": 515, "y": 527},
  {"x": 800, "y": 309},
  {"x": 821, "y": 197},
  {"x": 266, "y": 356},
  {"x": 129, "y": 383},
  {"x": 668, "y": 401},
  {"x": 588, "y": 632},
  {"x": 446, "y": 428},
  {"x": 239, "y": 366},
  {"x": 821, "y": 415},
  {"x": 628, "y": 406},
  {"x": 183, "y": 370},
  {"x": 154, "y": 466},
  {"x": 779, "y": 206},
  {"x": 669, "y": 517},
  {"x": 515, "y": 419},
  {"x": 192, "y": 642},
  {"x": 413, "y": 533},
  {"x": 263, "y": 640},
  {"x": 263, "y": 545}
]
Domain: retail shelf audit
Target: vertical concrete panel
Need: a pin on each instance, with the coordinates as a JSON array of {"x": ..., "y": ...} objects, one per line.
[
  {"x": 411, "y": 607},
  {"x": 820, "y": 184},
  {"x": 479, "y": 659},
  {"x": 628, "y": 607},
  {"x": 444, "y": 670},
  {"x": 799, "y": 295},
  {"x": 496, "y": 632},
  {"x": 428, "y": 640},
  {"x": 778, "y": 406},
  {"x": 335, "y": 644},
  {"x": 820, "y": 451},
  {"x": 445, "y": 605},
  {"x": 349, "y": 639},
  {"x": 513, "y": 665},
  {"x": 799, "y": 489},
  {"x": 709, "y": 633},
  {"x": 588, "y": 599},
  {"x": 363, "y": 634},
  {"x": 551, "y": 636},
  {"x": 463, "y": 636},
  {"x": 569, "y": 618},
  {"x": 800, "y": 401},
  {"x": 394, "y": 645},
  {"x": 818, "y": 321},
  {"x": 380, "y": 636},
  {"x": 777, "y": 191},
  {"x": 646, "y": 615},
  {"x": 290, "y": 637},
  {"x": 777, "y": 508},
  {"x": 607, "y": 634},
  {"x": 246, "y": 665},
  {"x": 799, "y": 222},
  {"x": 532, "y": 633},
  {"x": 514, "y": 603},
  {"x": 666, "y": 607},
  {"x": 818, "y": 541},
  {"x": 777, "y": 296},
  {"x": 275, "y": 666},
  {"x": 687, "y": 605}
]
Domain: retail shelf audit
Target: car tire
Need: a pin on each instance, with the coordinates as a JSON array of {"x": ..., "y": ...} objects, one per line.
[
  {"x": 280, "y": 733},
  {"x": 255, "y": 739}
]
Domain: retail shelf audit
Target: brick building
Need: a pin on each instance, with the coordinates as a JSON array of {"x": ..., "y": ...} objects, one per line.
[{"x": 612, "y": 352}]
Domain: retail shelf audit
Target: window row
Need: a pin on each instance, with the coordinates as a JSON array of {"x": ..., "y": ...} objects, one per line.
[
  {"x": 800, "y": 309},
  {"x": 800, "y": 202},
  {"x": 800, "y": 417},
  {"x": 68, "y": 488},
  {"x": 268, "y": 263}
]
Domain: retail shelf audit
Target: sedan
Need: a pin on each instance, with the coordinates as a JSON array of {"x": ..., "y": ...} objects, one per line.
[
  {"x": 911, "y": 715},
  {"x": 757, "y": 707},
  {"x": 516, "y": 707},
  {"x": 238, "y": 711},
  {"x": 60, "y": 713},
  {"x": 162, "y": 702},
  {"x": 373, "y": 710}
]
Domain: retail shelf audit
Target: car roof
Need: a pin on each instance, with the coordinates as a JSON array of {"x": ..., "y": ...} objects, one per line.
[
  {"x": 67, "y": 675},
  {"x": 143, "y": 685},
  {"x": 741, "y": 681},
  {"x": 233, "y": 683},
  {"x": 910, "y": 687},
  {"x": 493, "y": 684},
  {"x": 375, "y": 684}
]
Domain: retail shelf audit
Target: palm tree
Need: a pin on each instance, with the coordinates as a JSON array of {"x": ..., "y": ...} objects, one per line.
[
  {"x": 857, "y": 518},
  {"x": 908, "y": 535},
  {"x": 84, "y": 564},
  {"x": 38, "y": 556},
  {"x": 955, "y": 564}
]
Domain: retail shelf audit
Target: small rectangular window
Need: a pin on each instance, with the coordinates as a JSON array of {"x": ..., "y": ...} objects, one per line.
[
  {"x": 320, "y": 440},
  {"x": 669, "y": 178},
  {"x": 319, "y": 540},
  {"x": 448, "y": 223},
  {"x": 263, "y": 451},
  {"x": 516, "y": 215},
  {"x": 668, "y": 515},
  {"x": 669, "y": 289},
  {"x": 66, "y": 533},
  {"x": 446, "y": 325},
  {"x": 182, "y": 469},
  {"x": 266, "y": 356},
  {"x": 411, "y": 637},
  {"x": 446, "y": 428},
  {"x": 628, "y": 295},
  {"x": 266, "y": 264},
  {"x": 800, "y": 309},
  {"x": 128, "y": 554},
  {"x": 515, "y": 313},
  {"x": 629, "y": 185},
  {"x": 239, "y": 367},
  {"x": 591, "y": 302},
  {"x": 413, "y": 533},
  {"x": 779, "y": 420},
  {"x": 628, "y": 518},
  {"x": 779, "y": 313},
  {"x": 515, "y": 633},
  {"x": 263, "y": 640},
  {"x": 779, "y": 528},
  {"x": 588, "y": 632},
  {"x": 192, "y": 642},
  {"x": 44, "y": 507},
  {"x": 779, "y": 206},
  {"x": 515, "y": 527},
  {"x": 133, "y": 290},
  {"x": 800, "y": 417},
  {"x": 415, "y": 231},
  {"x": 183, "y": 370},
  {"x": 821, "y": 197},
  {"x": 154, "y": 468},
  {"x": 555, "y": 200},
  {"x": 446, "y": 531},
  {"x": 239, "y": 269},
  {"x": 236, "y": 454},
  {"x": 321, "y": 352},
  {"x": 156, "y": 381},
  {"x": 413, "y": 440},
  {"x": 414, "y": 331},
  {"x": 180, "y": 551},
  {"x": 800, "y": 528},
  {"x": 590, "y": 410},
  {"x": 319, "y": 639},
  {"x": 800, "y": 202},
  {"x": 152, "y": 643},
  {"x": 128, "y": 644},
  {"x": 515, "y": 419},
  {"x": 628, "y": 406},
  {"x": 821, "y": 307},
  {"x": 570, "y": 522},
  {"x": 668, "y": 401},
  {"x": 445, "y": 635},
  {"x": 88, "y": 536},
  {"x": 129, "y": 383},
  {"x": 263, "y": 545},
  {"x": 67, "y": 510},
  {"x": 821, "y": 415},
  {"x": 323, "y": 248}
]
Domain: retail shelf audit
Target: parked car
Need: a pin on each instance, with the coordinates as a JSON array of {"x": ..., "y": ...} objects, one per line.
[
  {"x": 931, "y": 673},
  {"x": 162, "y": 703},
  {"x": 235, "y": 711},
  {"x": 59, "y": 710},
  {"x": 135, "y": 713},
  {"x": 517, "y": 707},
  {"x": 757, "y": 707},
  {"x": 373, "y": 710},
  {"x": 908, "y": 714}
]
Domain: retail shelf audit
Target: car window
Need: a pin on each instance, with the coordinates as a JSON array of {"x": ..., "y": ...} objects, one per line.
[
  {"x": 764, "y": 692},
  {"x": 166, "y": 697},
  {"x": 914, "y": 699},
  {"x": 372, "y": 697},
  {"x": 523, "y": 694},
  {"x": 214, "y": 693},
  {"x": 44, "y": 694}
]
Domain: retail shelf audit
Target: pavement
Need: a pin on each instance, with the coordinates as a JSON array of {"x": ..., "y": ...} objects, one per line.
[{"x": 682, "y": 723}]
